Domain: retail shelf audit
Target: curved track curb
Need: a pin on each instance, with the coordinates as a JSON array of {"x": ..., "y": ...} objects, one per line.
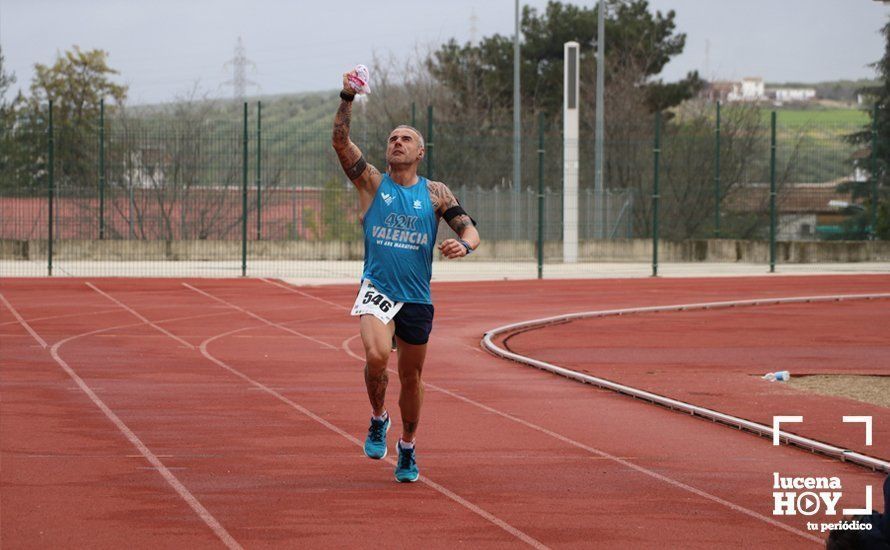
[{"x": 844, "y": 455}]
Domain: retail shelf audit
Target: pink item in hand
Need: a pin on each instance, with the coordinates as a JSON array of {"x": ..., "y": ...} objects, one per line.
[{"x": 360, "y": 79}]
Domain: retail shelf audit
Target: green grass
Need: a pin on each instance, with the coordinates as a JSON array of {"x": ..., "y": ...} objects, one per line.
[
  {"x": 797, "y": 118},
  {"x": 823, "y": 153}
]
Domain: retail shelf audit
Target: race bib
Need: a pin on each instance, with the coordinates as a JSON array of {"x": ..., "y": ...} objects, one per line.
[{"x": 371, "y": 301}]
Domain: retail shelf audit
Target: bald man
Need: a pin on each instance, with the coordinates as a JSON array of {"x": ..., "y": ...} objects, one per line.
[{"x": 400, "y": 216}]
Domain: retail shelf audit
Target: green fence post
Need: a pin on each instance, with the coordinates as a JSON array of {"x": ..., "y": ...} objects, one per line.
[
  {"x": 541, "y": 195},
  {"x": 772, "y": 194},
  {"x": 244, "y": 199},
  {"x": 717, "y": 178},
  {"x": 50, "y": 152},
  {"x": 259, "y": 141},
  {"x": 656, "y": 150},
  {"x": 874, "y": 172},
  {"x": 102, "y": 169},
  {"x": 429, "y": 142}
]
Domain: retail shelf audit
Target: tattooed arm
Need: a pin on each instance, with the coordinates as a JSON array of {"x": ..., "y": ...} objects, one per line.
[
  {"x": 364, "y": 176},
  {"x": 443, "y": 199}
]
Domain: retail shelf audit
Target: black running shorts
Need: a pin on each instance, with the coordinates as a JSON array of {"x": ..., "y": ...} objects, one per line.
[{"x": 414, "y": 322}]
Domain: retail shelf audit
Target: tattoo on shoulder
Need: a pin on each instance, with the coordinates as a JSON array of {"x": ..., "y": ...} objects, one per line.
[
  {"x": 441, "y": 197},
  {"x": 435, "y": 189}
]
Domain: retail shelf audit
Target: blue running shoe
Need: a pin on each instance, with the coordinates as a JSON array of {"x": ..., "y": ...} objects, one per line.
[
  {"x": 375, "y": 443},
  {"x": 406, "y": 466}
]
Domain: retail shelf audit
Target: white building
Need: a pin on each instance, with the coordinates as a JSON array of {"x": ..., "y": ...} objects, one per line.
[
  {"x": 794, "y": 94},
  {"x": 748, "y": 89},
  {"x": 752, "y": 89}
]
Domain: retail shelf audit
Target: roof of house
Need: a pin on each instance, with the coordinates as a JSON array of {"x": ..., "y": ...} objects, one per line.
[
  {"x": 796, "y": 198},
  {"x": 720, "y": 85}
]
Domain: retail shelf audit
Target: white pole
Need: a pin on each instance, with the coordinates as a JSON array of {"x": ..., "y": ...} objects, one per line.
[{"x": 570, "y": 155}]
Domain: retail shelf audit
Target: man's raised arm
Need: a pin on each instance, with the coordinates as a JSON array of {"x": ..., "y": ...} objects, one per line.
[{"x": 363, "y": 175}]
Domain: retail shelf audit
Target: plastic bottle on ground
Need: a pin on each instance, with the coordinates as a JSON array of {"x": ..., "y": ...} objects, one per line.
[{"x": 780, "y": 376}]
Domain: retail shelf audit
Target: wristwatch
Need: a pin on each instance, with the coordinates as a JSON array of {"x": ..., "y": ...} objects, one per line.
[{"x": 466, "y": 245}]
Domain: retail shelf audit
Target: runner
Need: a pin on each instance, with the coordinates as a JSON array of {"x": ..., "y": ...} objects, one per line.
[{"x": 400, "y": 216}]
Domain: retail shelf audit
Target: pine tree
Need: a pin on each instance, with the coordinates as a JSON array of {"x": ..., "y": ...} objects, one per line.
[{"x": 879, "y": 118}]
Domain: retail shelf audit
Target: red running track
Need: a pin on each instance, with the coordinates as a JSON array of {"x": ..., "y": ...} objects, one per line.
[
  {"x": 715, "y": 359},
  {"x": 230, "y": 412}
]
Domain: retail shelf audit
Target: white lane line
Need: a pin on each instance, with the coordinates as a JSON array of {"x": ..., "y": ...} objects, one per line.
[
  {"x": 141, "y": 317},
  {"x": 473, "y": 348},
  {"x": 303, "y": 410},
  {"x": 301, "y": 293},
  {"x": 54, "y": 317},
  {"x": 22, "y": 322},
  {"x": 153, "y": 459},
  {"x": 263, "y": 319},
  {"x": 441, "y": 489},
  {"x": 605, "y": 455},
  {"x": 592, "y": 450}
]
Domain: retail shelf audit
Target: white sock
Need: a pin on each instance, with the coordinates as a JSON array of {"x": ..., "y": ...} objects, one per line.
[
  {"x": 405, "y": 445},
  {"x": 381, "y": 417}
]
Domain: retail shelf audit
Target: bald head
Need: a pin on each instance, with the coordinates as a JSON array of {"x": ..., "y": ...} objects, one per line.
[
  {"x": 413, "y": 129},
  {"x": 404, "y": 147}
]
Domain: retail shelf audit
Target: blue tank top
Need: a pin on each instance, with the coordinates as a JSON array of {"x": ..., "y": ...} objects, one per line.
[{"x": 400, "y": 234}]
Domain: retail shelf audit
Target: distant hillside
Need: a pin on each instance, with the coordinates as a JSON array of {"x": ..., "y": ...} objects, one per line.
[
  {"x": 304, "y": 111},
  {"x": 296, "y": 137}
]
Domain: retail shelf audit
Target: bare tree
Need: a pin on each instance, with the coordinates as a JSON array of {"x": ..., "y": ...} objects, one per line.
[{"x": 180, "y": 169}]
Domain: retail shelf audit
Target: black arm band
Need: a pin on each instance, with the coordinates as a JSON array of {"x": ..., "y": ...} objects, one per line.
[
  {"x": 345, "y": 96},
  {"x": 456, "y": 211},
  {"x": 357, "y": 169}
]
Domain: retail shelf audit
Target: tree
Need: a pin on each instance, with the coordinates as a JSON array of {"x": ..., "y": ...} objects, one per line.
[
  {"x": 174, "y": 171},
  {"x": 76, "y": 83},
  {"x": 687, "y": 168},
  {"x": 638, "y": 46},
  {"x": 6, "y": 80},
  {"x": 14, "y": 170},
  {"x": 471, "y": 88},
  {"x": 880, "y": 95}
]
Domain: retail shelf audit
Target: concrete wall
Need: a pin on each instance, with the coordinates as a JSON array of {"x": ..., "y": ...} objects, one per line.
[{"x": 618, "y": 250}]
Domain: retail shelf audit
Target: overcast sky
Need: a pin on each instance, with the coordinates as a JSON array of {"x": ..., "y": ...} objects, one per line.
[{"x": 163, "y": 47}]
